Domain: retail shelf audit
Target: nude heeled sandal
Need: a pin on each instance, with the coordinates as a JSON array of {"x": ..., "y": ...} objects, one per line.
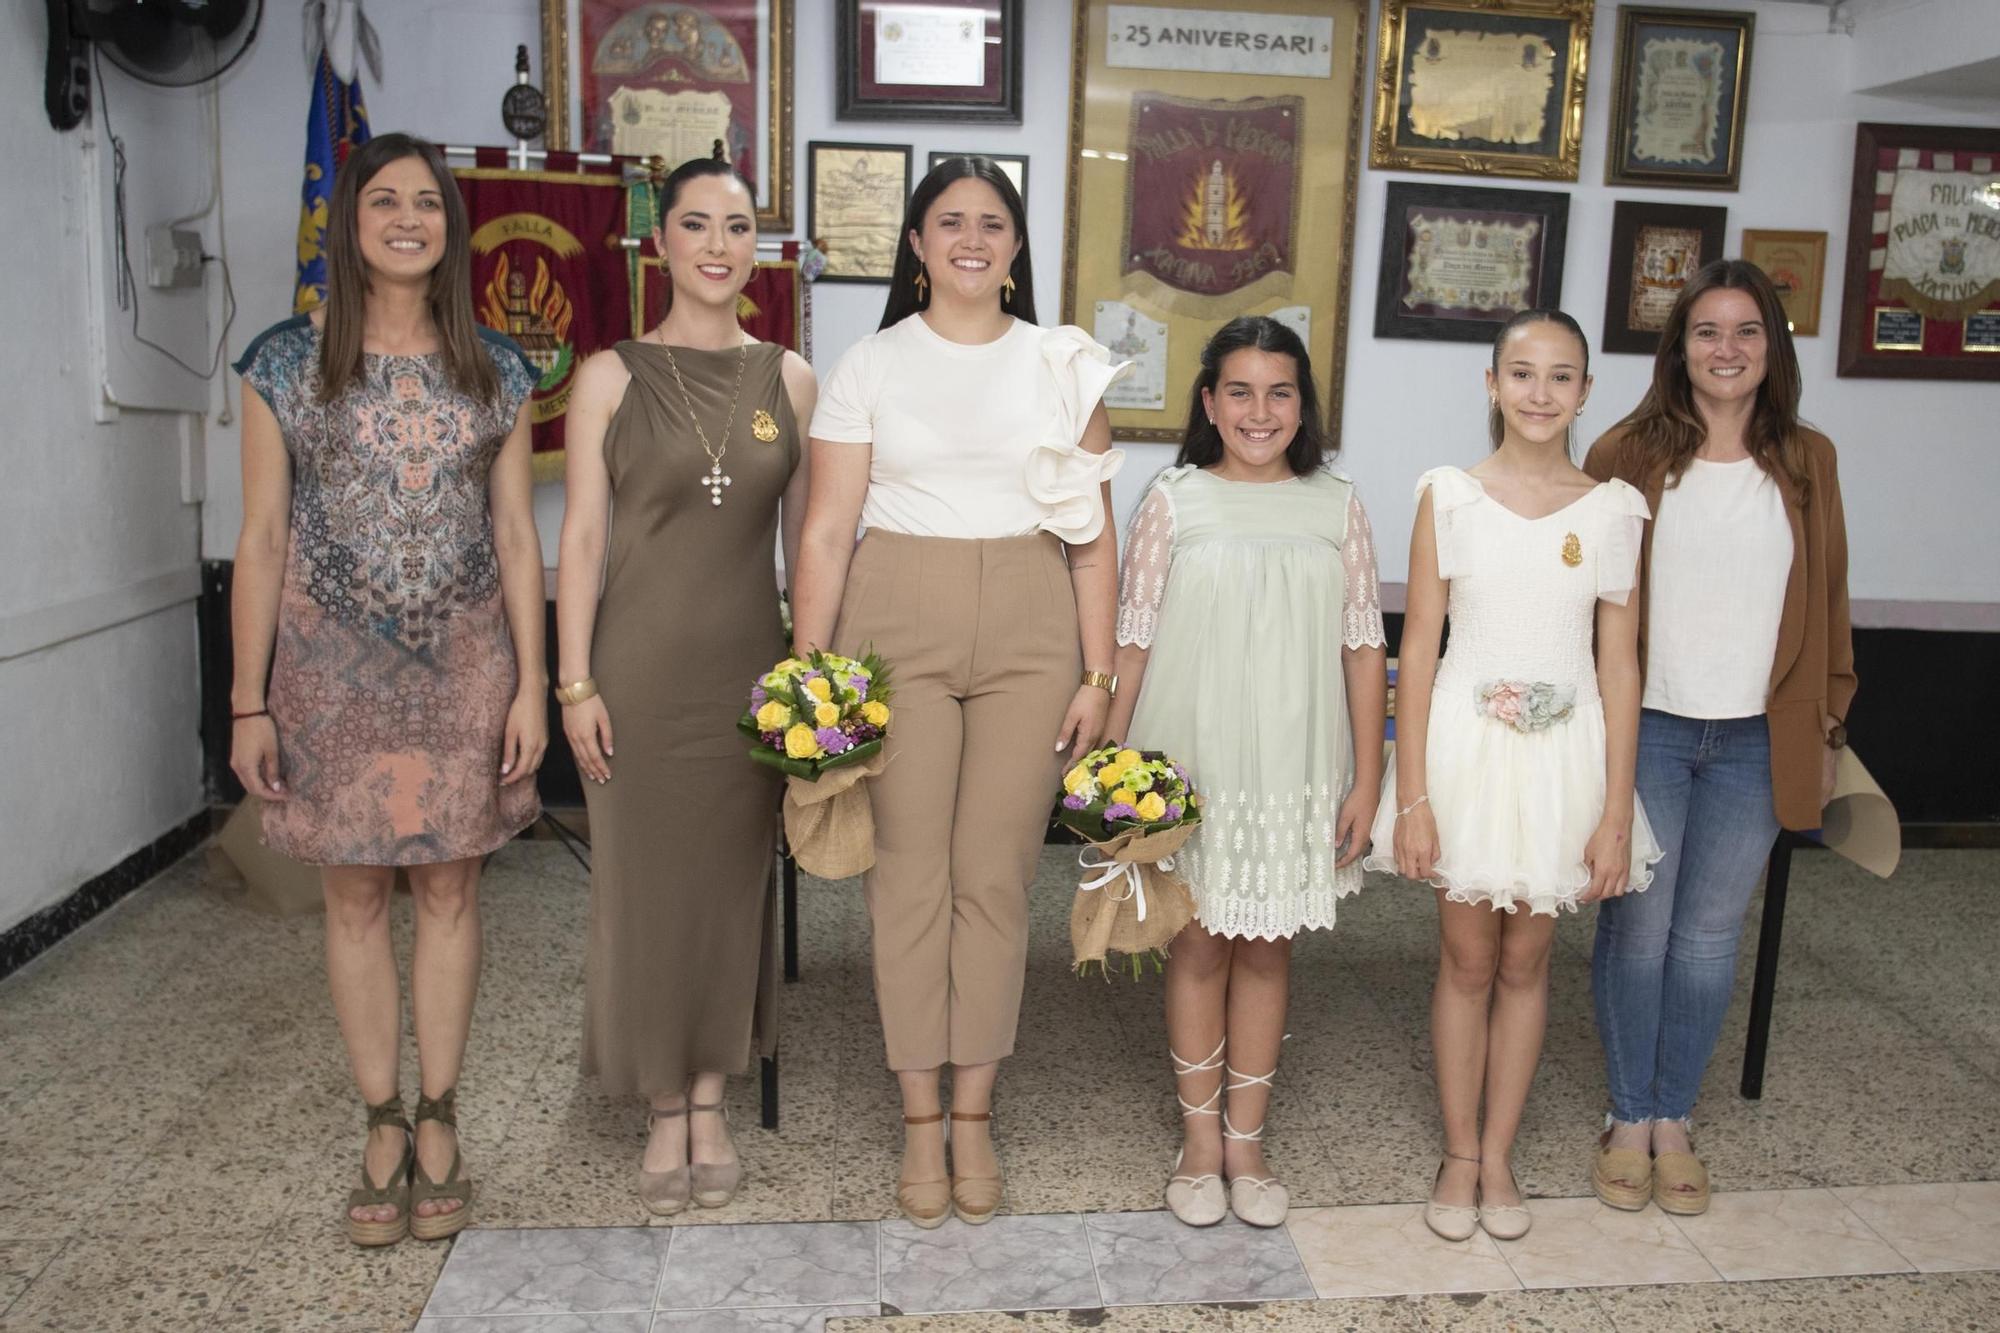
[
  {"x": 975, "y": 1198},
  {"x": 395, "y": 1191},
  {"x": 1622, "y": 1177},
  {"x": 1451, "y": 1221},
  {"x": 439, "y": 1226},
  {"x": 1680, "y": 1184},
  {"x": 1262, "y": 1202},
  {"x": 665, "y": 1192},
  {"x": 715, "y": 1183},
  {"x": 927, "y": 1203},
  {"x": 1198, "y": 1201}
]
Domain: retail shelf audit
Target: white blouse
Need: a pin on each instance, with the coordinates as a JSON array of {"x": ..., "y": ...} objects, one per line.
[
  {"x": 1722, "y": 554},
  {"x": 974, "y": 440}
]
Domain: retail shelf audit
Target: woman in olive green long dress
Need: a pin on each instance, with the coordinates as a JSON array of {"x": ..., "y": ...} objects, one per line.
[{"x": 681, "y": 444}]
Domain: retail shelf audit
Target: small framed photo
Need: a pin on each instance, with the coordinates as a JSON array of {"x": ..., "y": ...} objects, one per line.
[
  {"x": 1015, "y": 165},
  {"x": 1458, "y": 261},
  {"x": 1480, "y": 88},
  {"x": 1655, "y": 249},
  {"x": 855, "y": 194},
  {"x": 956, "y": 60},
  {"x": 1795, "y": 262},
  {"x": 1922, "y": 296},
  {"x": 1682, "y": 80}
]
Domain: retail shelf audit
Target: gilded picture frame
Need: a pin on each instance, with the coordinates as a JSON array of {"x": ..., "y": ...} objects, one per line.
[
  {"x": 1208, "y": 179},
  {"x": 1795, "y": 261},
  {"x": 1459, "y": 261},
  {"x": 1655, "y": 250},
  {"x": 701, "y": 66},
  {"x": 855, "y": 197},
  {"x": 1921, "y": 298},
  {"x": 1680, "y": 90},
  {"x": 1449, "y": 74}
]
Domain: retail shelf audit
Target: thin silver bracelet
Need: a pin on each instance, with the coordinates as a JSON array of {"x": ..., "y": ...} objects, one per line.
[{"x": 1421, "y": 800}]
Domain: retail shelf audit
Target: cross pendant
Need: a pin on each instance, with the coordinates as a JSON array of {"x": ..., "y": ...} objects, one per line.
[{"x": 715, "y": 481}]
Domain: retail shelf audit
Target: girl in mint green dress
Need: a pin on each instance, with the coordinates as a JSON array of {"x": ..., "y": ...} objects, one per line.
[{"x": 1251, "y": 651}]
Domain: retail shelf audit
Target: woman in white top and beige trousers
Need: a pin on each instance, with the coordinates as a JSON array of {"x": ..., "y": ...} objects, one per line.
[{"x": 972, "y": 446}]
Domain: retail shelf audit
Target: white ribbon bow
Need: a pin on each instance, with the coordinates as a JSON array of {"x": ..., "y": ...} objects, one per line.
[{"x": 1130, "y": 871}]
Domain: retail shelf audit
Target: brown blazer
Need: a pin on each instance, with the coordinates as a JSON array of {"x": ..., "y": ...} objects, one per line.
[{"x": 1812, "y": 675}]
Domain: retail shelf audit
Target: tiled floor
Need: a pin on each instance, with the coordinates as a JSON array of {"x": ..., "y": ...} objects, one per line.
[{"x": 177, "y": 1128}]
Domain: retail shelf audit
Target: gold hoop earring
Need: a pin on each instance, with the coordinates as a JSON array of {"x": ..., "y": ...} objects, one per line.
[{"x": 923, "y": 283}]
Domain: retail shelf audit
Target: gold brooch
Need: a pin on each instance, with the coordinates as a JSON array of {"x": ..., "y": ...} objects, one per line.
[
  {"x": 764, "y": 426},
  {"x": 1572, "y": 551}
]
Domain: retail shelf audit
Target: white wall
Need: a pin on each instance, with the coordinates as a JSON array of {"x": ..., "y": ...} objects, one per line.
[
  {"x": 97, "y": 632},
  {"x": 1908, "y": 449}
]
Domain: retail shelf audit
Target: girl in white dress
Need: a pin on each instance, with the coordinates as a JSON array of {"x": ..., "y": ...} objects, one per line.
[
  {"x": 1249, "y": 612},
  {"x": 1512, "y": 783}
]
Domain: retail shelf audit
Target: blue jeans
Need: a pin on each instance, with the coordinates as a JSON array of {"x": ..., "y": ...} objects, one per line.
[{"x": 1664, "y": 964}]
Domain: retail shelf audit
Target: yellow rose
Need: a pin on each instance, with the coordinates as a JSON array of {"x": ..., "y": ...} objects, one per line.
[
  {"x": 789, "y": 664},
  {"x": 1151, "y": 807},
  {"x": 1130, "y": 757},
  {"x": 819, "y": 688},
  {"x": 1077, "y": 780},
  {"x": 1110, "y": 773},
  {"x": 826, "y": 714},
  {"x": 1124, "y": 796},
  {"x": 875, "y": 714},
  {"x": 773, "y": 716},
  {"x": 800, "y": 743}
]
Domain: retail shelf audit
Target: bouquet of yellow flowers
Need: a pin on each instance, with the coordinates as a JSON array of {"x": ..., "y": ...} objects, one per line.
[
  {"x": 1136, "y": 809},
  {"x": 821, "y": 721}
]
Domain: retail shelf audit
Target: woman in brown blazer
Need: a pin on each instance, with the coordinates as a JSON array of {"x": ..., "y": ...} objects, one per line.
[{"x": 1749, "y": 670}]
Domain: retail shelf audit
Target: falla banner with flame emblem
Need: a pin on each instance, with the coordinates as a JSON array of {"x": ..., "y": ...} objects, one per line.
[
  {"x": 1211, "y": 209},
  {"x": 548, "y": 270}
]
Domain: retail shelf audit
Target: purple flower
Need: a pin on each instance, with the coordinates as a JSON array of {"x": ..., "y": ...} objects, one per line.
[
  {"x": 1174, "y": 812},
  {"x": 833, "y": 740},
  {"x": 1121, "y": 811},
  {"x": 860, "y": 684},
  {"x": 1074, "y": 802},
  {"x": 757, "y": 697}
]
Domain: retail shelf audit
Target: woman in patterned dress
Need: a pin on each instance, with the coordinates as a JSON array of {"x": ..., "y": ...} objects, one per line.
[{"x": 389, "y": 577}]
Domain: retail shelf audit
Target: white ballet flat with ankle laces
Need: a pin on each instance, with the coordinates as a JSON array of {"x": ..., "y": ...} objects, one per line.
[
  {"x": 1449, "y": 1220},
  {"x": 1262, "y": 1202},
  {"x": 1198, "y": 1201}
]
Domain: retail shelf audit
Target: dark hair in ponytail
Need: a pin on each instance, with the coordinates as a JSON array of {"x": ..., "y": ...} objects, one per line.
[{"x": 1201, "y": 444}]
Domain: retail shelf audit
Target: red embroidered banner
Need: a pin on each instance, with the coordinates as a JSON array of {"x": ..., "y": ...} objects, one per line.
[
  {"x": 1212, "y": 205},
  {"x": 773, "y": 308},
  {"x": 548, "y": 270}
]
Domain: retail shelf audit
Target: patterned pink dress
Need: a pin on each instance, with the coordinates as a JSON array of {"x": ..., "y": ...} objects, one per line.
[{"x": 394, "y": 667}]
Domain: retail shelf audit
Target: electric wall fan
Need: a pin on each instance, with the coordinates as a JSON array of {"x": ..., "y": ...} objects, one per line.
[{"x": 167, "y": 43}]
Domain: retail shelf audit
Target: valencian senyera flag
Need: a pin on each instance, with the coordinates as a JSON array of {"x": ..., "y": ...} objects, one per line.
[
  {"x": 1211, "y": 208},
  {"x": 549, "y": 270},
  {"x": 335, "y": 127}
]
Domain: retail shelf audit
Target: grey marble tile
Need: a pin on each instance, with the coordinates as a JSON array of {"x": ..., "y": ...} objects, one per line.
[
  {"x": 549, "y": 1272},
  {"x": 796, "y": 1263},
  {"x": 1010, "y": 1263},
  {"x": 1151, "y": 1258},
  {"x": 631, "y": 1321},
  {"x": 790, "y": 1319}
]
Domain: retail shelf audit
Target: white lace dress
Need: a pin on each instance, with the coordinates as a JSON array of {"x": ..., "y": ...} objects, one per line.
[
  {"x": 1244, "y": 594},
  {"x": 1514, "y": 750}
]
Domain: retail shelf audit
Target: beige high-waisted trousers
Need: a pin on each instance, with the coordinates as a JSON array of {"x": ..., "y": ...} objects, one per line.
[{"x": 981, "y": 639}]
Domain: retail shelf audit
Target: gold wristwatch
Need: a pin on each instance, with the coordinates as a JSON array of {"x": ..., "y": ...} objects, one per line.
[{"x": 1107, "y": 683}]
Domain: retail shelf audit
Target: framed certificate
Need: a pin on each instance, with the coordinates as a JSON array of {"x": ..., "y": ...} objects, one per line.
[
  {"x": 1458, "y": 261},
  {"x": 1795, "y": 261},
  {"x": 1655, "y": 249},
  {"x": 1014, "y": 164},
  {"x": 956, "y": 60},
  {"x": 855, "y": 193},
  {"x": 1212, "y": 169},
  {"x": 1683, "y": 76},
  {"x": 1922, "y": 296},
  {"x": 667, "y": 78},
  {"x": 1481, "y": 88}
]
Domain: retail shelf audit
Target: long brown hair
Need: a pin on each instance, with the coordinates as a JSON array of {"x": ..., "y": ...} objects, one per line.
[
  {"x": 1668, "y": 425},
  {"x": 467, "y": 363}
]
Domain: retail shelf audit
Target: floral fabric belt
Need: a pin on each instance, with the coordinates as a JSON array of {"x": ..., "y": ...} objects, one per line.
[{"x": 1525, "y": 705}]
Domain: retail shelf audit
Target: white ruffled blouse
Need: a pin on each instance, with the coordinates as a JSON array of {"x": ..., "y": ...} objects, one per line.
[{"x": 978, "y": 440}]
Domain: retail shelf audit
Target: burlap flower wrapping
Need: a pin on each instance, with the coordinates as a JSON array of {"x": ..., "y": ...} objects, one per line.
[
  {"x": 1130, "y": 901},
  {"x": 830, "y": 824}
]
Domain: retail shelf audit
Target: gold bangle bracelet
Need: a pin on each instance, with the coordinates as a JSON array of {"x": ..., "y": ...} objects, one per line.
[
  {"x": 1107, "y": 683},
  {"x": 578, "y": 692}
]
